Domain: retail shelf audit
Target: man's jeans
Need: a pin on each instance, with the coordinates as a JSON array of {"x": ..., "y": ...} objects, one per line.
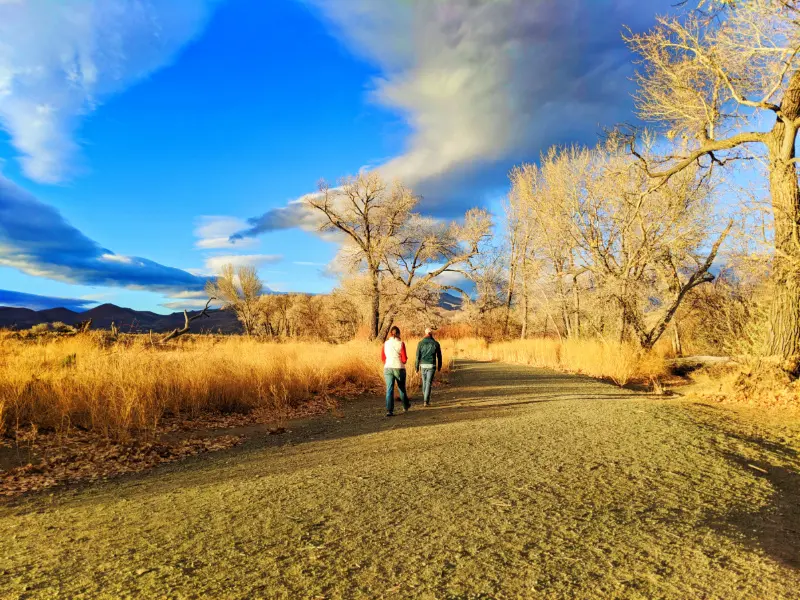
[
  {"x": 392, "y": 376},
  {"x": 427, "y": 383}
]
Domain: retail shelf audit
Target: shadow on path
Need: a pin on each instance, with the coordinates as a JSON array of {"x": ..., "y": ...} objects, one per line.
[
  {"x": 773, "y": 528},
  {"x": 475, "y": 391}
]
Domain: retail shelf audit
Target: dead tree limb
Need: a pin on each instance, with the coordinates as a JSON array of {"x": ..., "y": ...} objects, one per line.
[{"x": 179, "y": 332}]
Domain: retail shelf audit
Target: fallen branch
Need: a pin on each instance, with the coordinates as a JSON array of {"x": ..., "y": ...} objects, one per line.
[{"x": 179, "y": 332}]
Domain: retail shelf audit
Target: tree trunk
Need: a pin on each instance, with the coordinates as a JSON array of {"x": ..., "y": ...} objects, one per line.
[
  {"x": 784, "y": 316},
  {"x": 376, "y": 305},
  {"x": 576, "y": 302},
  {"x": 566, "y": 319},
  {"x": 623, "y": 321},
  {"x": 677, "y": 346},
  {"x": 524, "y": 332},
  {"x": 383, "y": 332},
  {"x": 512, "y": 275}
]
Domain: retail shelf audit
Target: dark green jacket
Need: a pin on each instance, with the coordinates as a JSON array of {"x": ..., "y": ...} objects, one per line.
[{"x": 429, "y": 353}]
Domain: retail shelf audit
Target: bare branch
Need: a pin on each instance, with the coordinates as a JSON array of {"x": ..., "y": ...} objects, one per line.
[{"x": 188, "y": 320}]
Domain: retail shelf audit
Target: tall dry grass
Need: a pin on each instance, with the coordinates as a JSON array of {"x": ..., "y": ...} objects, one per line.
[
  {"x": 129, "y": 386},
  {"x": 621, "y": 363}
]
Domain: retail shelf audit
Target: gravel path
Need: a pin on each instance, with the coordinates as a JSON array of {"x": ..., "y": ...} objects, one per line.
[{"x": 517, "y": 483}]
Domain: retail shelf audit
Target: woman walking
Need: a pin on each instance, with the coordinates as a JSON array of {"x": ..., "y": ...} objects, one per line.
[{"x": 394, "y": 370}]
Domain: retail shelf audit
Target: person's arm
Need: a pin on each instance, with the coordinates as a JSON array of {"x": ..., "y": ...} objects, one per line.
[
  {"x": 439, "y": 355},
  {"x": 383, "y": 354},
  {"x": 403, "y": 355},
  {"x": 416, "y": 362}
]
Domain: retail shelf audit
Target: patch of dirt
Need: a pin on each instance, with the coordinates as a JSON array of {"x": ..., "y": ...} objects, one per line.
[
  {"x": 88, "y": 458},
  {"x": 35, "y": 461}
]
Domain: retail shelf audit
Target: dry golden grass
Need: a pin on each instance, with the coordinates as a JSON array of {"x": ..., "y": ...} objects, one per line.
[
  {"x": 128, "y": 386},
  {"x": 621, "y": 363}
]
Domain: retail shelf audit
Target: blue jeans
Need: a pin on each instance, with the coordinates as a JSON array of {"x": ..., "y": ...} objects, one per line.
[
  {"x": 427, "y": 383},
  {"x": 398, "y": 376}
]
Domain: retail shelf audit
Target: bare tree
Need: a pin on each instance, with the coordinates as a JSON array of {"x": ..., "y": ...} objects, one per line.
[
  {"x": 547, "y": 233},
  {"x": 369, "y": 212},
  {"x": 238, "y": 290},
  {"x": 713, "y": 80},
  {"x": 426, "y": 250},
  {"x": 518, "y": 236},
  {"x": 641, "y": 247}
]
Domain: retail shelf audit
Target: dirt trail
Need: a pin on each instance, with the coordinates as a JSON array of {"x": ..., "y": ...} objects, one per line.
[{"x": 517, "y": 483}]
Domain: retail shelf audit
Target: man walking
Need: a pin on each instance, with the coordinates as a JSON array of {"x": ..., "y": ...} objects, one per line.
[
  {"x": 429, "y": 360},
  {"x": 394, "y": 370}
]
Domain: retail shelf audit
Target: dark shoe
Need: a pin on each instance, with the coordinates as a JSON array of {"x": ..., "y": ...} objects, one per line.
[
  {"x": 389, "y": 414},
  {"x": 426, "y": 404}
]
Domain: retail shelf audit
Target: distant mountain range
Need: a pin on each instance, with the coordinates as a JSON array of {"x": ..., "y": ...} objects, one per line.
[
  {"x": 140, "y": 321},
  {"x": 126, "y": 319}
]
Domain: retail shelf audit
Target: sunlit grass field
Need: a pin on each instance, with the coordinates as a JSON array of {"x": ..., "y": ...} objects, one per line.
[
  {"x": 126, "y": 386},
  {"x": 617, "y": 362}
]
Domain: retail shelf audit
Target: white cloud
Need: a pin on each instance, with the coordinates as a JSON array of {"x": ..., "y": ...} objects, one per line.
[
  {"x": 189, "y": 295},
  {"x": 118, "y": 258},
  {"x": 483, "y": 84},
  {"x": 477, "y": 80},
  {"x": 214, "y": 264},
  {"x": 60, "y": 59},
  {"x": 215, "y": 231},
  {"x": 188, "y": 304}
]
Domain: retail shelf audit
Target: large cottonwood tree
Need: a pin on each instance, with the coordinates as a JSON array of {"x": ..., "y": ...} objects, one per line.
[
  {"x": 725, "y": 83},
  {"x": 369, "y": 212},
  {"x": 404, "y": 255}
]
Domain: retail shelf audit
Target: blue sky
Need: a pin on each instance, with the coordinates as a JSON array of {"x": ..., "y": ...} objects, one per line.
[{"x": 137, "y": 136}]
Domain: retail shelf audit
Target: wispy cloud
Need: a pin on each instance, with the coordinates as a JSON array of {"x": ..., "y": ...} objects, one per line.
[
  {"x": 36, "y": 239},
  {"x": 60, "y": 59},
  {"x": 214, "y": 232},
  {"x": 36, "y": 302},
  {"x": 188, "y": 304},
  {"x": 484, "y": 84},
  {"x": 294, "y": 214},
  {"x": 215, "y": 263}
]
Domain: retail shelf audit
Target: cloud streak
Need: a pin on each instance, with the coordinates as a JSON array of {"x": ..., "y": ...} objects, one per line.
[
  {"x": 214, "y": 264},
  {"x": 60, "y": 60},
  {"x": 214, "y": 232},
  {"x": 483, "y": 84},
  {"x": 36, "y": 302},
  {"x": 37, "y": 240}
]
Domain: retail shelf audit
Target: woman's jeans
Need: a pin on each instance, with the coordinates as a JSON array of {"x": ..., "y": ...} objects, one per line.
[
  {"x": 392, "y": 376},
  {"x": 427, "y": 383}
]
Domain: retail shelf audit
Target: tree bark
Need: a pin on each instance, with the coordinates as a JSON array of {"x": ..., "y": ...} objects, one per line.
[
  {"x": 524, "y": 332},
  {"x": 576, "y": 302},
  {"x": 784, "y": 317},
  {"x": 512, "y": 275},
  {"x": 376, "y": 304},
  {"x": 677, "y": 346}
]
